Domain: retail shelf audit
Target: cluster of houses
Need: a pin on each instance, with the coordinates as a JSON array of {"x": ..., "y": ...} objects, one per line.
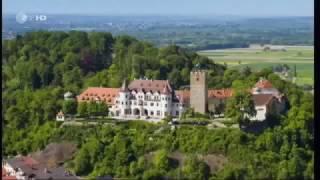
[
  {"x": 26, "y": 167},
  {"x": 156, "y": 99}
]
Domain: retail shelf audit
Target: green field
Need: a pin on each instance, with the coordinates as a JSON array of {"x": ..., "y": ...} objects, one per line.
[{"x": 256, "y": 58}]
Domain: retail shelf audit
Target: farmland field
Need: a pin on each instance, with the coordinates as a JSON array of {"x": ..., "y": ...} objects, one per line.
[{"x": 256, "y": 58}]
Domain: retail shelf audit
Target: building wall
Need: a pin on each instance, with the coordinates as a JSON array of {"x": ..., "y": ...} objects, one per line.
[
  {"x": 214, "y": 103},
  {"x": 198, "y": 91},
  {"x": 261, "y": 113},
  {"x": 139, "y": 104}
]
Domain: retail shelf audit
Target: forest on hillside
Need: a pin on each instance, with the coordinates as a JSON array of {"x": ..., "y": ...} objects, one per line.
[{"x": 39, "y": 67}]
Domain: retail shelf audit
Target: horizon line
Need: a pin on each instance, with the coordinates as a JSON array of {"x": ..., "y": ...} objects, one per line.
[{"x": 164, "y": 15}]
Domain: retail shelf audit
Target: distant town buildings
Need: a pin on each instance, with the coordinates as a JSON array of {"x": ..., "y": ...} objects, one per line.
[
  {"x": 274, "y": 48},
  {"x": 25, "y": 167}
]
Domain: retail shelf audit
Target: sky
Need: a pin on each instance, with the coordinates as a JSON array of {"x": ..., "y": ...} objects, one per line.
[{"x": 163, "y": 7}]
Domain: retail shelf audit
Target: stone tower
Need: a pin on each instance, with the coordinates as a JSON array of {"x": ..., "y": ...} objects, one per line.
[{"x": 199, "y": 90}]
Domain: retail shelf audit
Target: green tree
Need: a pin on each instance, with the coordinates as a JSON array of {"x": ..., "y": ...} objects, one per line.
[
  {"x": 69, "y": 107},
  {"x": 240, "y": 107},
  {"x": 83, "y": 109},
  {"x": 93, "y": 108},
  {"x": 161, "y": 160},
  {"x": 195, "y": 169},
  {"x": 82, "y": 162},
  {"x": 102, "y": 109}
]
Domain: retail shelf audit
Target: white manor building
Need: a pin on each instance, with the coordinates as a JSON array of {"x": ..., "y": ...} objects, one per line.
[{"x": 146, "y": 98}]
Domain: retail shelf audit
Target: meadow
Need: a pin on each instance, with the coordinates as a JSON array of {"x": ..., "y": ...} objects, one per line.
[{"x": 256, "y": 59}]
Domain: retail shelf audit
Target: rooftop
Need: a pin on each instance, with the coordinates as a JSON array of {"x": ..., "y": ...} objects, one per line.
[
  {"x": 262, "y": 99},
  {"x": 150, "y": 85},
  {"x": 32, "y": 168},
  {"x": 263, "y": 83},
  {"x": 104, "y": 94}
]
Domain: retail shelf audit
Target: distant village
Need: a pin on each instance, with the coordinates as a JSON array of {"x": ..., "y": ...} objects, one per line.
[{"x": 46, "y": 164}]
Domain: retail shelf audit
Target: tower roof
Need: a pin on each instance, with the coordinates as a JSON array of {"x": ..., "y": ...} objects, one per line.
[
  {"x": 166, "y": 90},
  {"x": 68, "y": 94},
  {"x": 124, "y": 87}
]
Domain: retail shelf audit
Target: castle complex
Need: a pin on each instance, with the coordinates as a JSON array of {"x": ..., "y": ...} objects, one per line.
[{"x": 156, "y": 99}]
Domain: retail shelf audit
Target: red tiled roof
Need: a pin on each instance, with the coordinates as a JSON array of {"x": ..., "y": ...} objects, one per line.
[
  {"x": 149, "y": 85},
  {"x": 184, "y": 95},
  {"x": 60, "y": 113},
  {"x": 262, "y": 99},
  {"x": 220, "y": 93},
  {"x": 263, "y": 83},
  {"x": 106, "y": 95}
]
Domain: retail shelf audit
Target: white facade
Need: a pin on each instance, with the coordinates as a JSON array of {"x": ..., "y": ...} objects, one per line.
[
  {"x": 60, "y": 116},
  {"x": 153, "y": 103},
  {"x": 143, "y": 105},
  {"x": 261, "y": 113},
  {"x": 18, "y": 173}
]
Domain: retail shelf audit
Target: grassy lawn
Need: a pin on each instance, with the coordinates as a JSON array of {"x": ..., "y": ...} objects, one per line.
[{"x": 302, "y": 57}]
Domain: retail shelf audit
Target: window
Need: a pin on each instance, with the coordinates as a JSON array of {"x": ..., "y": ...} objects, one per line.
[
  {"x": 157, "y": 104},
  {"x": 158, "y": 113},
  {"x": 151, "y": 104},
  {"x": 121, "y": 102},
  {"x": 151, "y": 113},
  {"x": 165, "y": 105},
  {"x": 145, "y": 103},
  {"x": 177, "y": 113}
]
